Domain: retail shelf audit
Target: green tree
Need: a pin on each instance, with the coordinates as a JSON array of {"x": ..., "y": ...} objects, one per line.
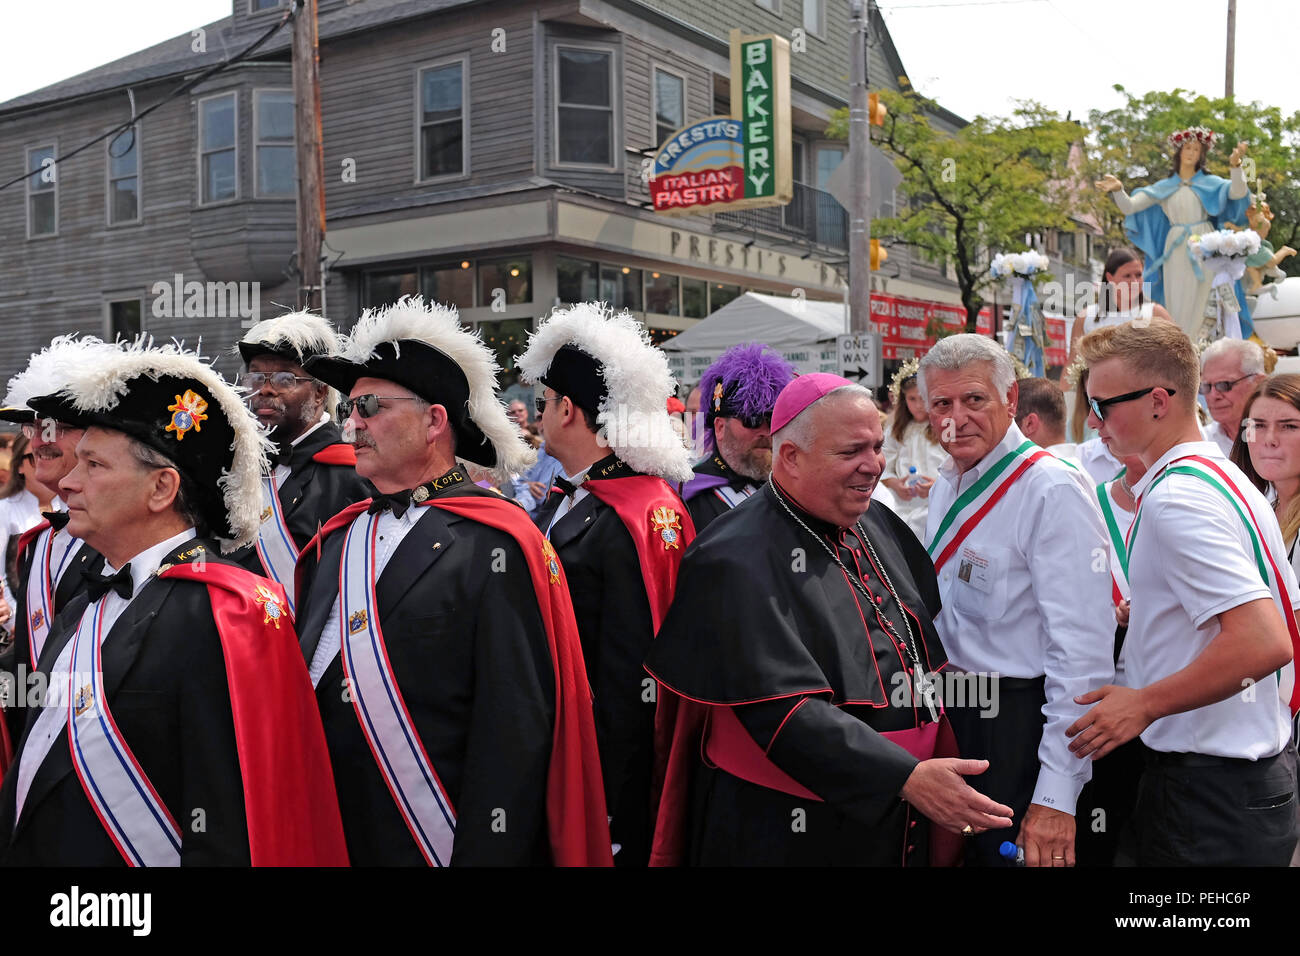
[
  {"x": 1131, "y": 143},
  {"x": 976, "y": 191}
]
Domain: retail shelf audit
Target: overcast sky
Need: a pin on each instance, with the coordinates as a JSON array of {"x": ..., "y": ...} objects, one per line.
[{"x": 973, "y": 57}]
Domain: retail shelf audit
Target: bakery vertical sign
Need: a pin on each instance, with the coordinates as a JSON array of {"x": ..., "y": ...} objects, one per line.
[{"x": 737, "y": 161}]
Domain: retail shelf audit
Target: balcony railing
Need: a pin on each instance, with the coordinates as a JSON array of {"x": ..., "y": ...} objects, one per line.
[{"x": 812, "y": 216}]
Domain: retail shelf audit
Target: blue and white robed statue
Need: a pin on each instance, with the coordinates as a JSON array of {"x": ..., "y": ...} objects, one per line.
[{"x": 1026, "y": 335}]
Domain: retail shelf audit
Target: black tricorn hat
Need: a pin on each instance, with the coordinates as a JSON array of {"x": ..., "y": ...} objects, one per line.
[
  {"x": 296, "y": 336},
  {"x": 579, "y": 375},
  {"x": 428, "y": 372}
]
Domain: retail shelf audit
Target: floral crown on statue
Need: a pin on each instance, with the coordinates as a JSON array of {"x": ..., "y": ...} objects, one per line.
[
  {"x": 905, "y": 371},
  {"x": 1202, "y": 134}
]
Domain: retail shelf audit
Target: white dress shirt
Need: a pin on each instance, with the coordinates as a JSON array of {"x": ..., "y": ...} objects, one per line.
[
  {"x": 1192, "y": 559},
  {"x": 1040, "y": 542},
  {"x": 390, "y": 534},
  {"x": 54, "y": 711},
  {"x": 1068, "y": 452},
  {"x": 1097, "y": 461},
  {"x": 570, "y": 501},
  {"x": 1214, "y": 432}
]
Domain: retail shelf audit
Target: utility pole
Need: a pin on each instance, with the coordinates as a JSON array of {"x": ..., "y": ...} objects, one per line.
[
  {"x": 860, "y": 178},
  {"x": 1230, "y": 62},
  {"x": 311, "y": 162}
]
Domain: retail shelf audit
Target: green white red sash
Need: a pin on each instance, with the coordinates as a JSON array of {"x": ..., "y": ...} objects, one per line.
[
  {"x": 275, "y": 545},
  {"x": 132, "y": 813},
  {"x": 975, "y": 502},
  {"x": 1119, "y": 589},
  {"x": 1208, "y": 471},
  {"x": 381, "y": 711}
]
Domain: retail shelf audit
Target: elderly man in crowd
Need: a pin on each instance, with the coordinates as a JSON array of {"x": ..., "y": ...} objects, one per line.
[
  {"x": 1014, "y": 538},
  {"x": 809, "y": 742},
  {"x": 1230, "y": 369}
]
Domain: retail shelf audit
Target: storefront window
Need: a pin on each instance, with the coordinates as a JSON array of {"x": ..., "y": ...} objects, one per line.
[
  {"x": 451, "y": 283},
  {"x": 514, "y": 276},
  {"x": 695, "y": 298},
  {"x": 720, "y": 294},
  {"x": 620, "y": 286},
  {"x": 385, "y": 288},
  {"x": 507, "y": 338},
  {"x": 576, "y": 280},
  {"x": 661, "y": 293}
]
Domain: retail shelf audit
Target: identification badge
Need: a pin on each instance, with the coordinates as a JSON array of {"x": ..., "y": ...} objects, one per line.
[{"x": 973, "y": 568}]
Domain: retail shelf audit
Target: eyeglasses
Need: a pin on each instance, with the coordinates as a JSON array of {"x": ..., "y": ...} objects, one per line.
[
  {"x": 755, "y": 421},
  {"x": 540, "y": 403},
  {"x": 279, "y": 380},
  {"x": 367, "y": 406},
  {"x": 48, "y": 428},
  {"x": 1098, "y": 404},
  {"x": 1221, "y": 387}
]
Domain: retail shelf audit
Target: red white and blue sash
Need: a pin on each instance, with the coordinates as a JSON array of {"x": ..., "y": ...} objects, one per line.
[
  {"x": 126, "y": 803},
  {"x": 734, "y": 496},
  {"x": 381, "y": 710},
  {"x": 44, "y": 577},
  {"x": 1209, "y": 471},
  {"x": 275, "y": 545},
  {"x": 965, "y": 514}
]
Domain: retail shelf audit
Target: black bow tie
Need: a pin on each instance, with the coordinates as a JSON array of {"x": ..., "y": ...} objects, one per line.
[
  {"x": 397, "y": 503},
  {"x": 58, "y": 519},
  {"x": 282, "y": 456},
  {"x": 97, "y": 586},
  {"x": 567, "y": 488}
]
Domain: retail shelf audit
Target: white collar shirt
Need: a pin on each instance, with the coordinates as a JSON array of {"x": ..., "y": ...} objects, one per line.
[
  {"x": 1190, "y": 560},
  {"x": 1039, "y": 548},
  {"x": 570, "y": 501}
]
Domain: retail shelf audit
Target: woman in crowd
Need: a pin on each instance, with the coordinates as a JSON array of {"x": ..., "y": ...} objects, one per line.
[
  {"x": 1267, "y": 449},
  {"x": 910, "y": 443}
]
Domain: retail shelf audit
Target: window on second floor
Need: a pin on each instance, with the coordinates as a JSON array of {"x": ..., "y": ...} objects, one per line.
[
  {"x": 814, "y": 17},
  {"x": 124, "y": 176},
  {"x": 669, "y": 105},
  {"x": 443, "y": 121},
  {"x": 584, "y": 106},
  {"x": 257, "y": 6},
  {"x": 218, "y": 152},
  {"x": 276, "y": 168},
  {"x": 773, "y": 5},
  {"x": 125, "y": 319},
  {"x": 42, "y": 192}
]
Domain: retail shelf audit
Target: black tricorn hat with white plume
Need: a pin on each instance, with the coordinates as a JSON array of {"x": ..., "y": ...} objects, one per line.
[
  {"x": 605, "y": 362},
  {"x": 423, "y": 347},
  {"x": 173, "y": 401},
  {"x": 48, "y": 371},
  {"x": 296, "y": 336}
]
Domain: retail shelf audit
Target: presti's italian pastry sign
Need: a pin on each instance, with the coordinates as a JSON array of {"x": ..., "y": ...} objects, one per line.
[{"x": 737, "y": 161}]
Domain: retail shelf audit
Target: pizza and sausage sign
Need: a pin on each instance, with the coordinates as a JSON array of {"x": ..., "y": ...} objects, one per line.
[{"x": 738, "y": 161}]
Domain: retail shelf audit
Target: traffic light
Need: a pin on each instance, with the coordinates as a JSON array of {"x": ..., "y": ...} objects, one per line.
[
  {"x": 878, "y": 255},
  {"x": 876, "y": 110}
]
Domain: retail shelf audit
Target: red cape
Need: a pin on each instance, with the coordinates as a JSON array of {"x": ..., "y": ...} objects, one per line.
[
  {"x": 636, "y": 498},
  {"x": 577, "y": 820},
  {"x": 337, "y": 454},
  {"x": 289, "y": 795}
]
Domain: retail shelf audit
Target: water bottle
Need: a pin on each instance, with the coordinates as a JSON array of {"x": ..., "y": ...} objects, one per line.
[
  {"x": 1009, "y": 851},
  {"x": 913, "y": 479}
]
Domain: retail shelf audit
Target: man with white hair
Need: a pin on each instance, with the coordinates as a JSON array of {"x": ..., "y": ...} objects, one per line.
[
  {"x": 805, "y": 713},
  {"x": 1230, "y": 369},
  {"x": 1015, "y": 541}
]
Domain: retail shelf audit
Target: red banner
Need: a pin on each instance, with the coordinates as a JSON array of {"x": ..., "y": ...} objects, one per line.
[{"x": 904, "y": 325}]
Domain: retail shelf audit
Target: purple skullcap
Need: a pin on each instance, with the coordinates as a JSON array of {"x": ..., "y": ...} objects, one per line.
[{"x": 801, "y": 393}]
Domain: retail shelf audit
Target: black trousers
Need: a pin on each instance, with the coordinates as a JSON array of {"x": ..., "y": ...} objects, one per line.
[
  {"x": 1009, "y": 742},
  {"x": 1198, "y": 810}
]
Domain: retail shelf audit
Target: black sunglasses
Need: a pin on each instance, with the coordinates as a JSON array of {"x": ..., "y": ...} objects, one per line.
[
  {"x": 367, "y": 406},
  {"x": 755, "y": 421},
  {"x": 1098, "y": 404},
  {"x": 540, "y": 403}
]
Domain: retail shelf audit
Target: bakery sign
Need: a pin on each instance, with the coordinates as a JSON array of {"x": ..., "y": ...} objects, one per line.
[{"x": 737, "y": 161}]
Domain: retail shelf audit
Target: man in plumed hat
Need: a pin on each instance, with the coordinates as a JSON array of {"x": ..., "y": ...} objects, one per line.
[
  {"x": 152, "y": 745},
  {"x": 740, "y": 387},
  {"x": 618, "y": 526},
  {"x": 48, "y": 558},
  {"x": 437, "y": 625},
  {"x": 313, "y": 471}
]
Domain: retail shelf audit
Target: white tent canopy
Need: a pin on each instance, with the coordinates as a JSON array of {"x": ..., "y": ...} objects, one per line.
[{"x": 802, "y": 330}]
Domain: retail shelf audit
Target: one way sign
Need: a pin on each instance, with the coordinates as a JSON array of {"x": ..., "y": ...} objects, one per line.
[{"x": 860, "y": 358}]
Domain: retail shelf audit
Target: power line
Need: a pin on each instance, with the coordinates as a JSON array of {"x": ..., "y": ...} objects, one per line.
[{"x": 179, "y": 91}]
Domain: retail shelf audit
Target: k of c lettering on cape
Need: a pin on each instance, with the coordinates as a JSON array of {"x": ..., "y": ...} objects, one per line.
[{"x": 77, "y": 909}]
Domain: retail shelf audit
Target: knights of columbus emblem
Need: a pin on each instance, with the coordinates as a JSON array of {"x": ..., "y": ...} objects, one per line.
[
  {"x": 356, "y": 622},
  {"x": 717, "y": 397},
  {"x": 85, "y": 700},
  {"x": 669, "y": 525},
  {"x": 38, "y": 618},
  {"x": 270, "y": 604},
  {"x": 187, "y": 413},
  {"x": 552, "y": 562}
]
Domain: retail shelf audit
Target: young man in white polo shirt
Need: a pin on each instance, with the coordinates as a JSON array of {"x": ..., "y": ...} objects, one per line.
[{"x": 1211, "y": 629}]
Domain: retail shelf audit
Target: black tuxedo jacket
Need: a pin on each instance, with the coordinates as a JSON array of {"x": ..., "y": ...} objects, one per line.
[
  {"x": 469, "y": 651},
  {"x": 616, "y": 629},
  {"x": 165, "y": 680}
]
